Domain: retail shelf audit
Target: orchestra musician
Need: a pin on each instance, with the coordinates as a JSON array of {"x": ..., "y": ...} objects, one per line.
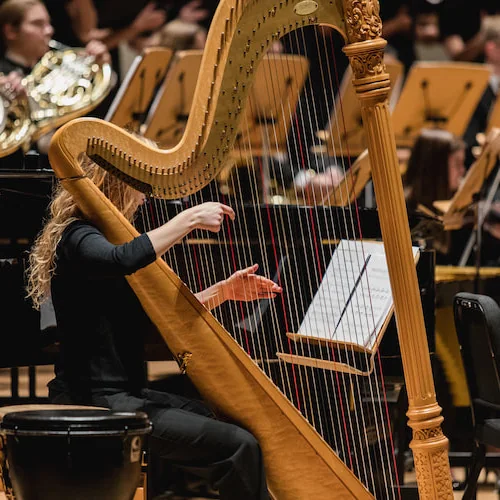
[
  {"x": 25, "y": 33},
  {"x": 435, "y": 169},
  {"x": 103, "y": 327},
  {"x": 479, "y": 121}
]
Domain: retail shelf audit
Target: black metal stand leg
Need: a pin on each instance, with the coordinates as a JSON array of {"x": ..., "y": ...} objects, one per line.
[{"x": 478, "y": 460}]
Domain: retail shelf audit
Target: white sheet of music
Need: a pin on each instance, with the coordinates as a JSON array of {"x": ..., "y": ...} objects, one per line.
[{"x": 354, "y": 298}]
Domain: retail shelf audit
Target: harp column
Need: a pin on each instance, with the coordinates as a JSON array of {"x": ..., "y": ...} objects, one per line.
[{"x": 365, "y": 50}]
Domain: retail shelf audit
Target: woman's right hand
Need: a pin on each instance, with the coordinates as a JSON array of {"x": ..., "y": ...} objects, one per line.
[{"x": 210, "y": 216}]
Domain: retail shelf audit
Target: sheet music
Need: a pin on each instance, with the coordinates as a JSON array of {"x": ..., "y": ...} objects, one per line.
[{"x": 354, "y": 298}]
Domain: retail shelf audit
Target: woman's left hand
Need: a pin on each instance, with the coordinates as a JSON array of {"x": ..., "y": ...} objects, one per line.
[{"x": 245, "y": 285}]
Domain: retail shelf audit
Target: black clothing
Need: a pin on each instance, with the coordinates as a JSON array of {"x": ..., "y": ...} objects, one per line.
[
  {"x": 99, "y": 316},
  {"x": 187, "y": 437},
  {"x": 463, "y": 17},
  {"x": 61, "y": 22},
  {"x": 402, "y": 43},
  {"x": 103, "y": 328},
  {"x": 6, "y": 66}
]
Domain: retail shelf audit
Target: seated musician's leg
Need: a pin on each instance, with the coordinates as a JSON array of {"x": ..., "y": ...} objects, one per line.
[{"x": 185, "y": 435}]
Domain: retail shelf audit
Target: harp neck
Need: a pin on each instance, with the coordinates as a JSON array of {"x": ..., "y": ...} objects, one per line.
[{"x": 240, "y": 34}]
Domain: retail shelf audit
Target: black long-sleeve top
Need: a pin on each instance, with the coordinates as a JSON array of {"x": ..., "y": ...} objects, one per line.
[{"x": 101, "y": 321}]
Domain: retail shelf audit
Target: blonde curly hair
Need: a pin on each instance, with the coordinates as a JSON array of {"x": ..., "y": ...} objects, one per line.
[{"x": 62, "y": 212}]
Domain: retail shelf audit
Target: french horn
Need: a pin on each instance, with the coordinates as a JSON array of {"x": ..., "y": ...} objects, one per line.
[
  {"x": 16, "y": 126},
  {"x": 66, "y": 83}
]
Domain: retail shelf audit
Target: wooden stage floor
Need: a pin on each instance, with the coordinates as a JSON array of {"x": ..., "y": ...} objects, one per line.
[{"x": 160, "y": 369}]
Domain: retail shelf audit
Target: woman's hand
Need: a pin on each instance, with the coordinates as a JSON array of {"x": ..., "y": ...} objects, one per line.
[
  {"x": 245, "y": 285},
  {"x": 210, "y": 216}
]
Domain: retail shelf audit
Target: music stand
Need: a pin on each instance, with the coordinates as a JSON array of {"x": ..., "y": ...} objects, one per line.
[
  {"x": 345, "y": 124},
  {"x": 169, "y": 112},
  {"x": 264, "y": 126},
  {"x": 455, "y": 209},
  {"x": 440, "y": 95},
  {"x": 273, "y": 99},
  {"x": 277, "y": 85},
  {"x": 132, "y": 101},
  {"x": 352, "y": 184}
]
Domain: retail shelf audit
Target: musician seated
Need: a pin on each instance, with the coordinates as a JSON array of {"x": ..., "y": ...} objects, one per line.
[
  {"x": 480, "y": 119},
  {"x": 434, "y": 172},
  {"x": 103, "y": 326},
  {"x": 25, "y": 33}
]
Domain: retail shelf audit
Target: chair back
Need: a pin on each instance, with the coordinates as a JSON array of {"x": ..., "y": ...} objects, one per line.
[{"x": 477, "y": 322}]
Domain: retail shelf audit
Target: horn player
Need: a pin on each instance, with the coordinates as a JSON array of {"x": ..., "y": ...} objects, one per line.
[{"x": 25, "y": 34}]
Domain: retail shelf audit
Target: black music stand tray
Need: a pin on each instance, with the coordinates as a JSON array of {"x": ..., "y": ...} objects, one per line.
[{"x": 440, "y": 95}]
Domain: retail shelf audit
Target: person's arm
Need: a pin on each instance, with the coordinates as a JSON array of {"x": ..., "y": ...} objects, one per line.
[
  {"x": 400, "y": 23},
  {"x": 458, "y": 50},
  {"x": 207, "y": 216},
  {"x": 86, "y": 247},
  {"x": 150, "y": 18},
  {"x": 244, "y": 285},
  {"x": 83, "y": 17}
]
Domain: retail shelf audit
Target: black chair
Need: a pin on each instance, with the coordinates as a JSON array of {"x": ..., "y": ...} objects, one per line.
[{"x": 477, "y": 321}]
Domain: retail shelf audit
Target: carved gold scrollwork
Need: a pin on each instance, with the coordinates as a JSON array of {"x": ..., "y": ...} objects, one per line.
[
  {"x": 424, "y": 434},
  {"x": 362, "y": 20},
  {"x": 370, "y": 64}
]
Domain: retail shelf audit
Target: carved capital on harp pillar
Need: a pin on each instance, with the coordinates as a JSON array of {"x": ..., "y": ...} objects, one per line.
[
  {"x": 362, "y": 19},
  {"x": 371, "y": 79}
]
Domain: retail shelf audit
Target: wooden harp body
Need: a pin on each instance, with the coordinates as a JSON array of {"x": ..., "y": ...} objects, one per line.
[{"x": 299, "y": 463}]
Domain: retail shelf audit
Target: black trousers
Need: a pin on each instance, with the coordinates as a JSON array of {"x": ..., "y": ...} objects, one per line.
[{"x": 185, "y": 435}]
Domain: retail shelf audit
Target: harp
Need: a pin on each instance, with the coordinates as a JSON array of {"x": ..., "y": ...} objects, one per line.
[{"x": 300, "y": 463}]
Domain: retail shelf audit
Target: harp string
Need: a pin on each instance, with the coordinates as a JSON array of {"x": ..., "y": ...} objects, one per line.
[
  {"x": 303, "y": 120},
  {"x": 377, "y": 389}
]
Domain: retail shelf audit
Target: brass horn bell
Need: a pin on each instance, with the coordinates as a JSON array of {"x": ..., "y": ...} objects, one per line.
[{"x": 66, "y": 83}]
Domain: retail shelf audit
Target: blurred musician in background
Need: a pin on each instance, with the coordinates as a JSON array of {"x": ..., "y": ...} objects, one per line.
[
  {"x": 398, "y": 29},
  {"x": 462, "y": 24},
  {"x": 435, "y": 169},
  {"x": 103, "y": 329},
  {"x": 25, "y": 31},
  {"x": 480, "y": 118},
  {"x": 25, "y": 34}
]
